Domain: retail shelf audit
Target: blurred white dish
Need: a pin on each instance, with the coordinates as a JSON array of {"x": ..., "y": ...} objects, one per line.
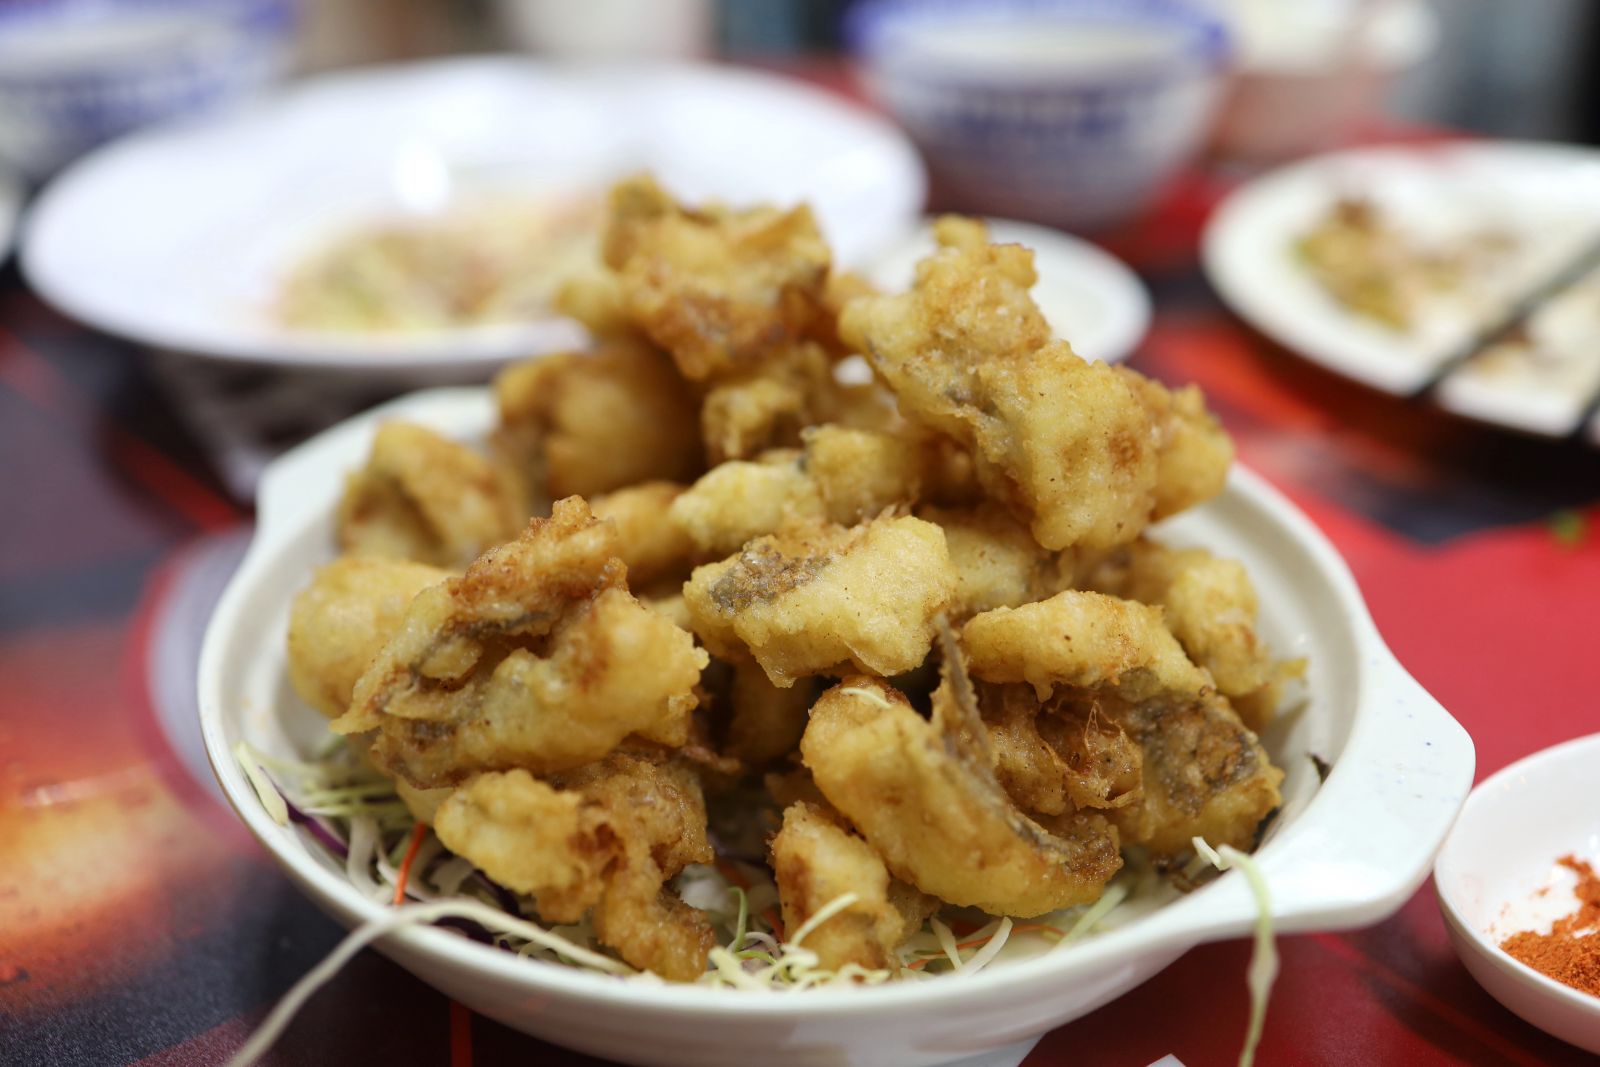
[
  {"x": 11, "y": 198},
  {"x": 1088, "y": 295},
  {"x": 1501, "y": 852},
  {"x": 1344, "y": 852},
  {"x": 1069, "y": 112},
  {"x": 75, "y": 73},
  {"x": 1551, "y": 193},
  {"x": 179, "y": 238},
  {"x": 1309, "y": 72}
]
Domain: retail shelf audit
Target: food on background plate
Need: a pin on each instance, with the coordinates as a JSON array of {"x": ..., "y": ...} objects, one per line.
[
  {"x": 780, "y": 679},
  {"x": 1437, "y": 288},
  {"x": 497, "y": 260}
]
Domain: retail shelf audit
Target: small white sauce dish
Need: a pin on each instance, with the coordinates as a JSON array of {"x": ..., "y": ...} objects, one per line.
[{"x": 1493, "y": 866}]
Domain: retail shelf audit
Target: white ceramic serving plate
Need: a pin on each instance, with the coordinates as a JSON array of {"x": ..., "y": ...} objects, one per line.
[
  {"x": 1086, "y": 293},
  {"x": 1343, "y": 853},
  {"x": 1553, "y": 190},
  {"x": 1501, "y": 852},
  {"x": 179, "y": 237}
]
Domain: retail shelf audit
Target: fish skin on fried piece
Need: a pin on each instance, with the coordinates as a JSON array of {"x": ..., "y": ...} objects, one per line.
[
  {"x": 817, "y": 598},
  {"x": 537, "y": 657},
  {"x": 924, "y": 795}
]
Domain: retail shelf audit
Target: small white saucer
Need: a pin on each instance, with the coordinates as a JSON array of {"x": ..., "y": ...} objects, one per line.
[{"x": 1500, "y": 854}]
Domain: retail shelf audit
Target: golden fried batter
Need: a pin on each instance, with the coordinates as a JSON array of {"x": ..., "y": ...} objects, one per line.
[
  {"x": 1067, "y": 445},
  {"x": 968, "y": 306},
  {"x": 652, "y": 547},
  {"x": 1205, "y": 775},
  {"x": 998, "y": 563},
  {"x": 1193, "y": 451},
  {"x": 1104, "y": 766},
  {"x": 925, "y": 797},
  {"x": 844, "y": 475},
  {"x": 1027, "y": 767},
  {"x": 342, "y": 620},
  {"x": 818, "y": 598},
  {"x": 606, "y": 837},
  {"x": 766, "y": 403},
  {"x": 816, "y": 860},
  {"x": 1210, "y": 607},
  {"x": 715, "y": 288},
  {"x": 423, "y": 497},
  {"x": 538, "y": 658},
  {"x": 587, "y": 423},
  {"x": 1083, "y": 640},
  {"x": 736, "y": 502}
]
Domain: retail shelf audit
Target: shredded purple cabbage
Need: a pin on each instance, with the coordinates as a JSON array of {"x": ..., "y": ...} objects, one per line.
[{"x": 314, "y": 826}]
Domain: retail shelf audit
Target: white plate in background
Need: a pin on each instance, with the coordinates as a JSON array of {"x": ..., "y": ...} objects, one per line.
[
  {"x": 179, "y": 237},
  {"x": 1090, "y": 297},
  {"x": 1549, "y": 191}
]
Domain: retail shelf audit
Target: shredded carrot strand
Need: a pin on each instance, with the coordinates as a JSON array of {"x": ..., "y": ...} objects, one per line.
[
  {"x": 417, "y": 834},
  {"x": 771, "y": 916}
]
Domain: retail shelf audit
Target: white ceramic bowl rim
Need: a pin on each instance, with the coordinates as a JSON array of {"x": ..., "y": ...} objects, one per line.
[
  {"x": 1339, "y": 874},
  {"x": 872, "y": 29},
  {"x": 1449, "y": 890}
]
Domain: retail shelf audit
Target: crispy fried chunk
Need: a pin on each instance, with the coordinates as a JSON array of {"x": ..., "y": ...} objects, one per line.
[
  {"x": 341, "y": 621},
  {"x": 820, "y": 597},
  {"x": 537, "y": 657},
  {"x": 716, "y": 288},
  {"x": 604, "y": 838},
  {"x": 426, "y": 498},
  {"x": 586, "y": 423},
  {"x": 951, "y": 831},
  {"x": 1082, "y": 640},
  {"x": 817, "y": 859}
]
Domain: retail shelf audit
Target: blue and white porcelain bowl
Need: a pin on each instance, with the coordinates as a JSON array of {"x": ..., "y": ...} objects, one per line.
[
  {"x": 75, "y": 73},
  {"x": 1070, "y": 112}
]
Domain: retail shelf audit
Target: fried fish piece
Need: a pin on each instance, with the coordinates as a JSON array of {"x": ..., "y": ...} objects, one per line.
[
  {"x": 716, "y": 288},
  {"x": 1064, "y": 443},
  {"x": 924, "y": 795},
  {"x": 1083, "y": 640},
  {"x": 538, "y": 657},
  {"x": 819, "y": 597},
  {"x": 768, "y": 401},
  {"x": 816, "y": 860},
  {"x": 1205, "y": 775},
  {"x": 967, "y": 306},
  {"x": 843, "y": 475},
  {"x": 654, "y": 548},
  {"x": 1193, "y": 451},
  {"x": 340, "y": 622},
  {"x": 604, "y": 838},
  {"x": 1211, "y": 607},
  {"x": 426, "y": 498},
  {"x": 998, "y": 563},
  {"x": 1067, "y": 446},
  {"x": 736, "y": 502},
  {"x": 587, "y": 423}
]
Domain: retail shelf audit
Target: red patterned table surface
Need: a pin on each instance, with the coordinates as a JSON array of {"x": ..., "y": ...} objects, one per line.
[{"x": 138, "y": 922}]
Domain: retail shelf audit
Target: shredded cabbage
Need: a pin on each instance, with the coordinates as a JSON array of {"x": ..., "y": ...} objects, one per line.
[{"x": 1263, "y": 969}]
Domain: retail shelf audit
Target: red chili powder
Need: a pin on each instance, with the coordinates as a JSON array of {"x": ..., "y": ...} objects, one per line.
[{"x": 1570, "y": 952}]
